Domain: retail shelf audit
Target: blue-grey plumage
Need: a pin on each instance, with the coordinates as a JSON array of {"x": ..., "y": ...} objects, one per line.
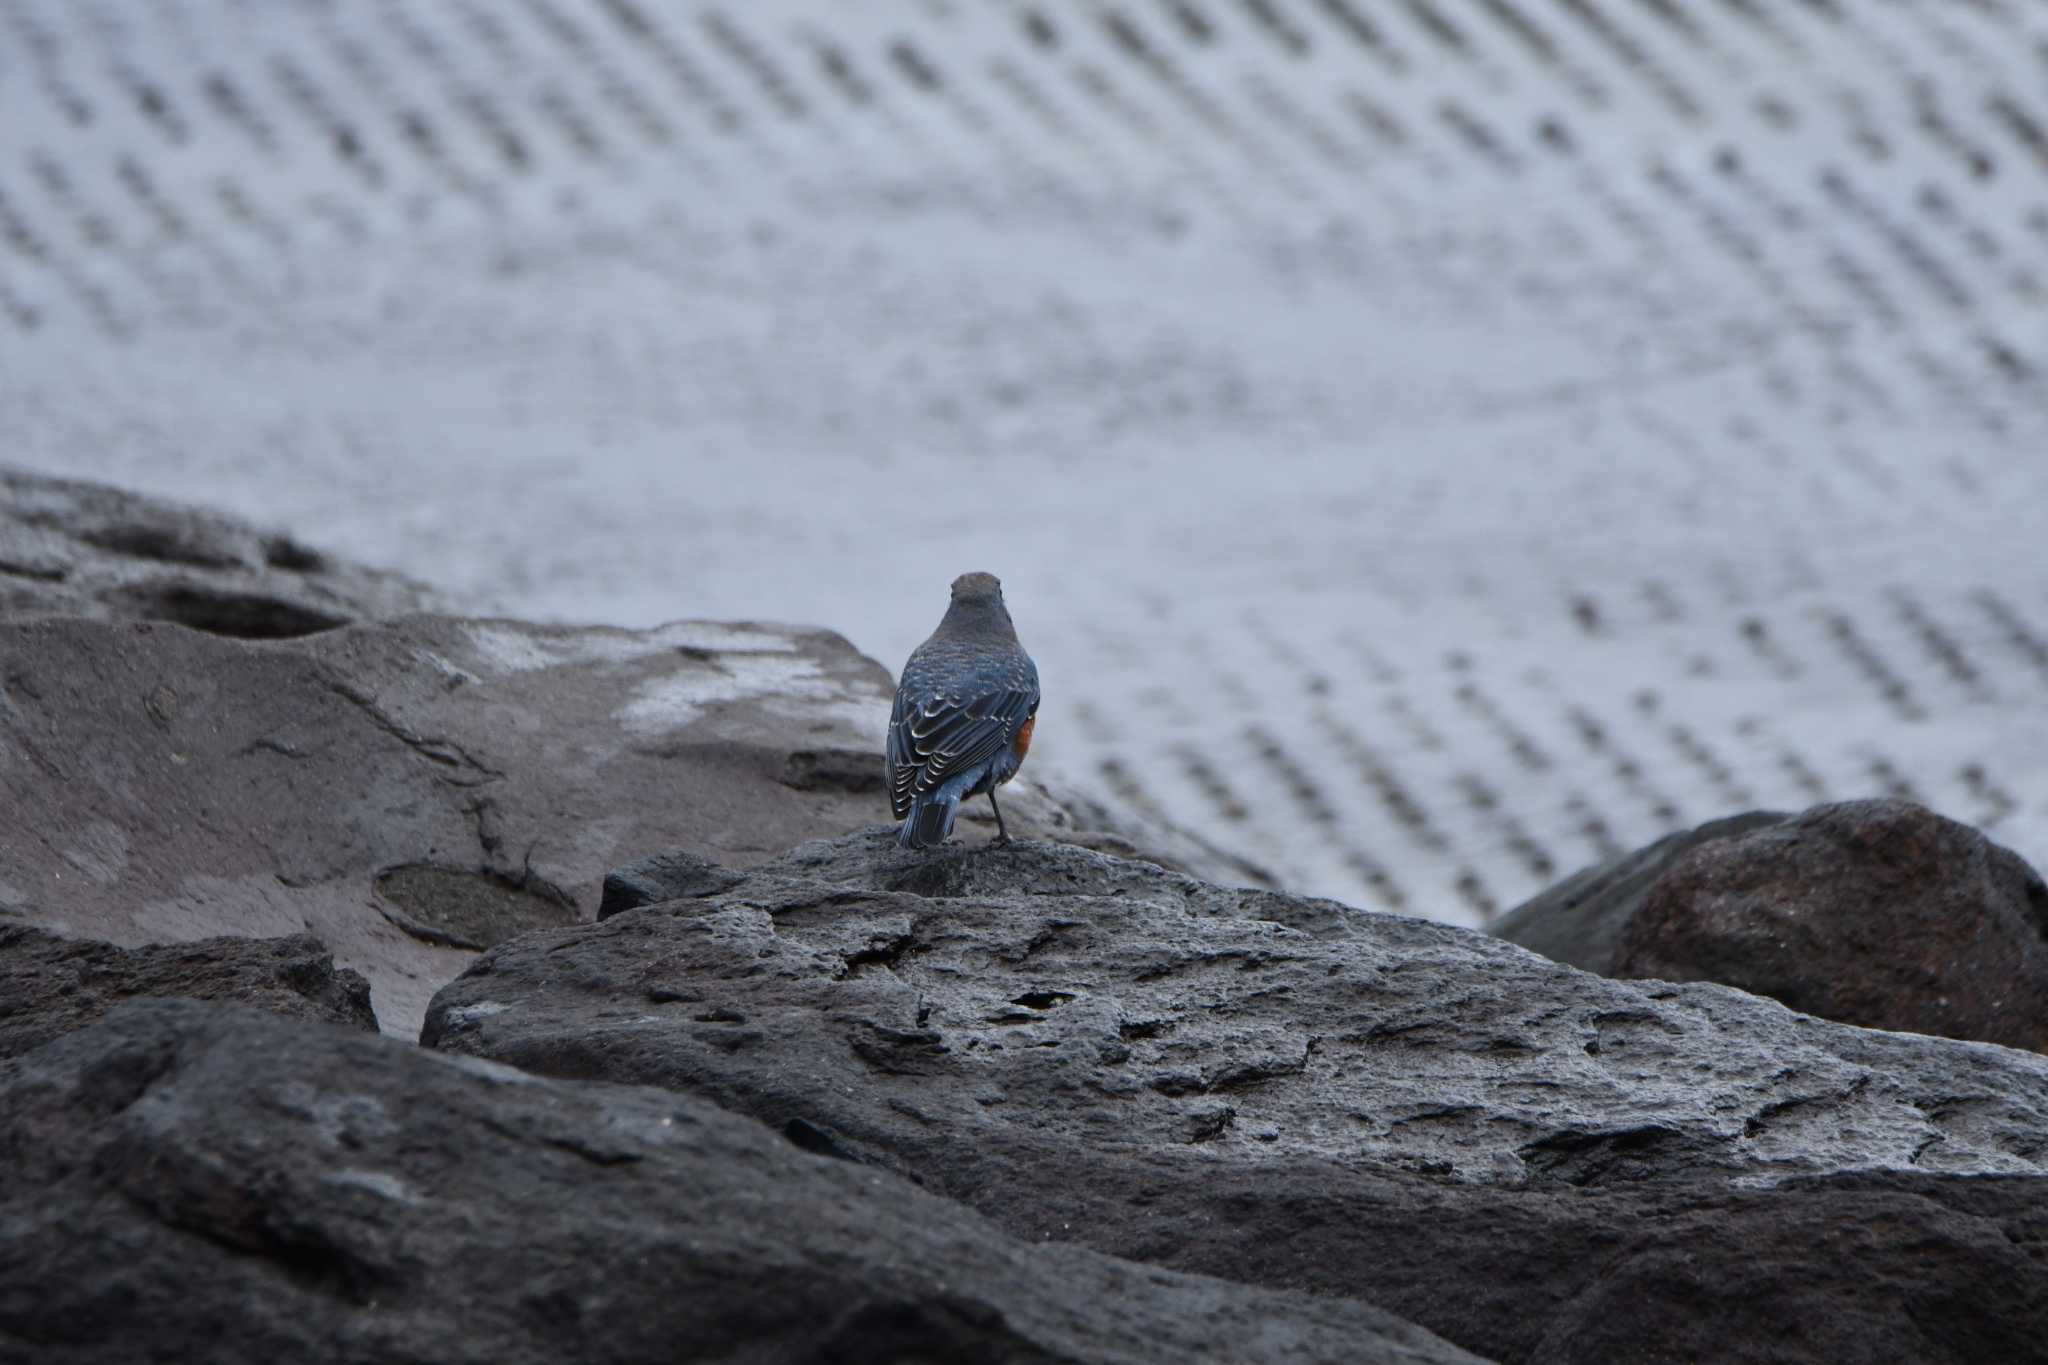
[{"x": 963, "y": 716}]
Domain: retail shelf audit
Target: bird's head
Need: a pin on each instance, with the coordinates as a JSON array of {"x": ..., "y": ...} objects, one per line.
[{"x": 977, "y": 587}]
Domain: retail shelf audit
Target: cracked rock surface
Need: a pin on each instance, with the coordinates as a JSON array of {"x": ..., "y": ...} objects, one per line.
[
  {"x": 227, "y": 1186},
  {"x": 1537, "y": 1163}
]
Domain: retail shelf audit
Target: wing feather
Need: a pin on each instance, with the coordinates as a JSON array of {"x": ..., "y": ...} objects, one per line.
[{"x": 932, "y": 739}]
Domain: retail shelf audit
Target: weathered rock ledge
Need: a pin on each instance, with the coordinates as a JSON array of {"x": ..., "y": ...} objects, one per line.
[
  {"x": 407, "y": 791},
  {"x": 1536, "y": 1163}
]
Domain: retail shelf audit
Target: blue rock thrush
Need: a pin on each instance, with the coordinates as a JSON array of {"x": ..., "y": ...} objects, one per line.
[{"x": 963, "y": 715}]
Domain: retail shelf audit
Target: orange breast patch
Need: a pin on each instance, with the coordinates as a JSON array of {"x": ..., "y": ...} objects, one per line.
[{"x": 1022, "y": 742}]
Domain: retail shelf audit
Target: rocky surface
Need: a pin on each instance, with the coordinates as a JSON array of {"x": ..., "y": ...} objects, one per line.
[
  {"x": 1878, "y": 913},
  {"x": 1011, "y": 1105},
  {"x": 408, "y": 791},
  {"x": 51, "y": 985},
  {"x": 69, "y": 548},
  {"x": 1580, "y": 920},
  {"x": 227, "y": 1186},
  {"x": 1537, "y": 1163},
  {"x": 412, "y": 791}
]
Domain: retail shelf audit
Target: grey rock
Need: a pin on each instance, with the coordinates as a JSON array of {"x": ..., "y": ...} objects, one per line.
[
  {"x": 1535, "y": 1162},
  {"x": 407, "y": 791},
  {"x": 50, "y": 985},
  {"x": 663, "y": 877},
  {"x": 1580, "y": 920},
  {"x": 414, "y": 790},
  {"x": 82, "y": 549},
  {"x": 194, "y": 1182},
  {"x": 1879, "y": 913}
]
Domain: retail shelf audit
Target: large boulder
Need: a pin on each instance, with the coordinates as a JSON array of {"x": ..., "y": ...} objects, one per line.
[
  {"x": 1581, "y": 919},
  {"x": 408, "y": 791},
  {"x": 191, "y": 1182},
  {"x": 51, "y": 985},
  {"x": 1878, "y": 913},
  {"x": 1537, "y": 1163},
  {"x": 69, "y": 548}
]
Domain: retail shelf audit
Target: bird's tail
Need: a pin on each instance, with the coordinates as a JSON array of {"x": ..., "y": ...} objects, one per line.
[{"x": 930, "y": 821}]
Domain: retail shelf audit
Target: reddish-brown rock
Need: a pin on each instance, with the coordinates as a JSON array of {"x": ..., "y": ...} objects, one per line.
[{"x": 1878, "y": 913}]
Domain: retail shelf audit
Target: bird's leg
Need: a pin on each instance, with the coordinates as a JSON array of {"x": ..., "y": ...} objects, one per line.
[{"x": 1002, "y": 839}]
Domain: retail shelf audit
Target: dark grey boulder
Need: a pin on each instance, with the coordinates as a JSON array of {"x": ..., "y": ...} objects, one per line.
[
  {"x": 1535, "y": 1162},
  {"x": 69, "y": 548},
  {"x": 192, "y": 1182},
  {"x": 1878, "y": 913},
  {"x": 50, "y": 985},
  {"x": 1580, "y": 920}
]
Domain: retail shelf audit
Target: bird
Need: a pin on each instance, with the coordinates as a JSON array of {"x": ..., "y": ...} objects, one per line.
[{"x": 963, "y": 715}]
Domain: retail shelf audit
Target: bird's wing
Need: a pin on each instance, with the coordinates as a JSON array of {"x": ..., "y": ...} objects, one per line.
[
  {"x": 902, "y": 768},
  {"x": 934, "y": 738}
]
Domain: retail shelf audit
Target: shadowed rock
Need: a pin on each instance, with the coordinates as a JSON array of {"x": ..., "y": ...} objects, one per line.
[
  {"x": 1878, "y": 913},
  {"x": 1580, "y": 920},
  {"x": 51, "y": 985},
  {"x": 1533, "y": 1161},
  {"x": 216, "y": 1184}
]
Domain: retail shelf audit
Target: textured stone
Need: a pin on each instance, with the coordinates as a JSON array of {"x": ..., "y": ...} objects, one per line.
[
  {"x": 405, "y": 790},
  {"x": 663, "y": 877},
  {"x": 413, "y": 790},
  {"x": 1879, "y": 913},
  {"x": 51, "y": 985},
  {"x": 1580, "y": 920},
  {"x": 83, "y": 549},
  {"x": 198, "y": 1183},
  {"x": 1520, "y": 1156}
]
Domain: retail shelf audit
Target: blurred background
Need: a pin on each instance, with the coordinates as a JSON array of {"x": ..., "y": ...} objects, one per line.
[{"x": 1429, "y": 445}]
